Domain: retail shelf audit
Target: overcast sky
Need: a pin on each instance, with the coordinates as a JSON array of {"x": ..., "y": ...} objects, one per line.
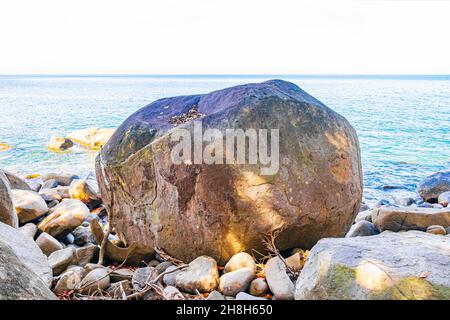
[{"x": 225, "y": 36}]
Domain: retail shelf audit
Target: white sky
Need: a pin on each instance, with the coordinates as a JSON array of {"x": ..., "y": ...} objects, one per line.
[{"x": 225, "y": 36}]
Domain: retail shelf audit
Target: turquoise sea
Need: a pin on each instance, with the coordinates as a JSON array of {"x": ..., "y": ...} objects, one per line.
[{"x": 403, "y": 122}]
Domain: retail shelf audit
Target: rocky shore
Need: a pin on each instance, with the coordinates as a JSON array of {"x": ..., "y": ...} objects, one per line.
[{"x": 142, "y": 228}]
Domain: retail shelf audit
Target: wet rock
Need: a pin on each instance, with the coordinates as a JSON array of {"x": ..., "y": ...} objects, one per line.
[
  {"x": 97, "y": 279},
  {"x": 87, "y": 254},
  {"x": 431, "y": 187},
  {"x": 404, "y": 201},
  {"x": 61, "y": 259},
  {"x": 141, "y": 276},
  {"x": 246, "y": 296},
  {"x": 259, "y": 287},
  {"x": 69, "y": 280},
  {"x": 29, "y": 205},
  {"x": 444, "y": 198},
  {"x": 8, "y": 214},
  {"x": 240, "y": 260},
  {"x": 233, "y": 282},
  {"x": 201, "y": 275},
  {"x": 215, "y": 295},
  {"x": 279, "y": 282},
  {"x": 119, "y": 290},
  {"x": 92, "y": 138},
  {"x": 172, "y": 293},
  {"x": 388, "y": 266},
  {"x": 59, "y": 143},
  {"x": 362, "y": 229},
  {"x": 29, "y": 230},
  {"x": 26, "y": 251},
  {"x": 409, "y": 218},
  {"x": 436, "y": 230},
  {"x": 18, "y": 281},
  {"x": 62, "y": 179},
  {"x": 214, "y": 205},
  {"x": 64, "y": 218},
  {"x": 364, "y": 215},
  {"x": 48, "y": 244}
]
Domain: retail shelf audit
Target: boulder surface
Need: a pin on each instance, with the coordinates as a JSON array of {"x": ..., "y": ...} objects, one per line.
[
  {"x": 8, "y": 214},
  {"x": 224, "y": 209},
  {"x": 388, "y": 266}
]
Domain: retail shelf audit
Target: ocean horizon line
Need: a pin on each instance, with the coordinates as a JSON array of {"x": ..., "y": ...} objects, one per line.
[{"x": 224, "y": 76}]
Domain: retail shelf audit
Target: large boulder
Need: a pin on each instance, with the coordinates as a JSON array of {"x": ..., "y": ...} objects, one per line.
[
  {"x": 26, "y": 251},
  {"x": 17, "y": 280},
  {"x": 8, "y": 214},
  {"x": 407, "y": 218},
  {"x": 227, "y": 208},
  {"x": 405, "y": 265},
  {"x": 15, "y": 181},
  {"x": 431, "y": 187}
]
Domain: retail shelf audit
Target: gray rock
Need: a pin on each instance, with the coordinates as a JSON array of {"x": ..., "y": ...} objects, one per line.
[
  {"x": 201, "y": 275},
  {"x": 437, "y": 206},
  {"x": 50, "y": 195},
  {"x": 87, "y": 253},
  {"x": 363, "y": 207},
  {"x": 82, "y": 235},
  {"x": 240, "y": 260},
  {"x": 69, "y": 239},
  {"x": 444, "y": 198},
  {"x": 172, "y": 293},
  {"x": 141, "y": 276},
  {"x": 246, "y": 296},
  {"x": 35, "y": 185},
  {"x": 8, "y": 214},
  {"x": 409, "y": 218},
  {"x": 259, "y": 287},
  {"x": 27, "y": 251},
  {"x": 63, "y": 179},
  {"x": 29, "y": 205},
  {"x": 97, "y": 279},
  {"x": 169, "y": 279},
  {"x": 49, "y": 184},
  {"x": 279, "y": 282},
  {"x": 161, "y": 267},
  {"x": 233, "y": 282},
  {"x": 61, "y": 259},
  {"x": 69, "y": 280},
  {"x": 437, "y": 230},
  {"x": 403, "y": 201},
  {"x": 386, "y": 266},
  {"x": 362, "y": 228},
  {"x": 215, "y": 295},
  {"x": 16, "y": 182},
  {"x": 364, "y": 215},
  {"x": 29, "y": 229},
  {"x": 17, "y": 281},
  {"x": 48, "y": 244},
  {"x": 431, "y": 187}
]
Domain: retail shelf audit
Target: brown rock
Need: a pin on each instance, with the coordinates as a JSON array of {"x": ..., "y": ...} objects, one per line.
[
  {"x": 62, "y": 179},
  {"x": 119, "y": 290},
  {"x": 97, "y": 279},
  {"x": 408, "y": 218},
  {"x": 436, "y": 230},
  {"x": 259, "y": 287},
  {"x": 84, "y": 190},
  {"x": 59, "y": 143},
  {"x": 48, "y": 244},
  {"x": 29, "y": 205},
  {"x": 61, "y": 259},
  {"x": 64, "y": 218},
  {"x": 16, "y": 182},
  {"x": 225, "y": 209}
]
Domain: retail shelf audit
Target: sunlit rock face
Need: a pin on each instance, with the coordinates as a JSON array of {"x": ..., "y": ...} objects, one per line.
[
  {"x": 388, "y": 266},
  {"x": 218, "y": 210}
]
